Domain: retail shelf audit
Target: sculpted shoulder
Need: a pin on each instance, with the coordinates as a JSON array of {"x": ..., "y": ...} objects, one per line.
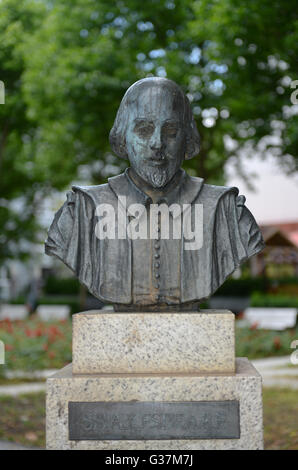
[
  {"x": 209, "y": 192},
  {"x": 215, "y": 192},
  {"x": 97, "y": 193}
]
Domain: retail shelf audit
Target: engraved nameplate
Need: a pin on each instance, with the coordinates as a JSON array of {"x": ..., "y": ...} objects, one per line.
[{"x": 154, "y": 420}]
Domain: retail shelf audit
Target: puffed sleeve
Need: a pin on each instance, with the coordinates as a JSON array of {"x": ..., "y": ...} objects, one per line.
[
  {"x": 250, "y": 233},
  {"x": 236, "y": 236},
  {"x": 61, "y": 229},
  {"x": 71, "y": 237}
]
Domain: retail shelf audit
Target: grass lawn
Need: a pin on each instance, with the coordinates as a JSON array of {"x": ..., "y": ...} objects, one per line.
[
  {"x": 280, "y": 419},
  {"x": 22, "y": 419},
  {"x": 258, "y": 344}
]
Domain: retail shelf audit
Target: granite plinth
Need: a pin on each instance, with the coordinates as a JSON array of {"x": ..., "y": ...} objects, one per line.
[
  {"x": 153, "y": 342},
  {"x": 244, "y": 386}
]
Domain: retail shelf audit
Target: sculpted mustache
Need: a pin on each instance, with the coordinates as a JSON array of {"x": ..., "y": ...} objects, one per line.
[{"x": 158, "y": 155}]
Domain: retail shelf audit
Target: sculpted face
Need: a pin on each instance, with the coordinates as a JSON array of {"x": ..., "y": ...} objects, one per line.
[{"x": 155, "y": 137}]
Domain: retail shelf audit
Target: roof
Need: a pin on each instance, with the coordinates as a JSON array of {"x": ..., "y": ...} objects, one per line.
[{"x": 281, "y": 234}]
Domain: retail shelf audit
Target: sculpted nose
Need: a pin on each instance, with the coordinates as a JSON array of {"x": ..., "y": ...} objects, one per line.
[{"x": 156, "y": 143}]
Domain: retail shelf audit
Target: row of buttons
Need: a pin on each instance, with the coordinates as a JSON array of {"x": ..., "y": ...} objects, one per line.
[{"x": 157, "y": 263}]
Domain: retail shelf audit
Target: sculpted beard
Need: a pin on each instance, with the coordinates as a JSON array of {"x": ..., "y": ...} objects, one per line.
[{"x": 157, "y": 177}]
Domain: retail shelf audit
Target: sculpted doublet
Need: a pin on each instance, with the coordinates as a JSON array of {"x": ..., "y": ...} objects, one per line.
[{"x": 154, "y": 273}]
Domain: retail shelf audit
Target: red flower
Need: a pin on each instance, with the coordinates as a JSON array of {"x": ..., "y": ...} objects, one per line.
[
  {"x": 51, "y": 354},
  {"x": 54, "y": 332},
  {"x": 254, "y": 326},
  {"x": 29, "y": 333},
  {"x": 38, "y": 331},
  {"x": 33, "y": 333},
  {"x": 8, "y": 347},
  {"x": 7, "y": 325},
  {"x": 277, "y": 342}
]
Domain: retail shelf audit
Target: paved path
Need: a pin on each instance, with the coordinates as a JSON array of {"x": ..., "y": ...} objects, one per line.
[
  {"x": 34, "y": 374},
  {"x": 276, "y": 372},
  {"x": 5, "y": 445},
  {"x": 272, "y": 362},
  {"x": 22, "y": 389}
]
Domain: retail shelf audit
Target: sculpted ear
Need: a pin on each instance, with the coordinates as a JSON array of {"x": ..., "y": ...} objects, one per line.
[
  {"x": 118, "y": 144},
  {"x": 192, "y": 142},
  {"x": 122, "y": 150}
]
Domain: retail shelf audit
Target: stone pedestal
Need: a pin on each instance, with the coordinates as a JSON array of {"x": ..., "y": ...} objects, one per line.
[
  {"x": 155, "y": 381},
  {"x": 116, "y": 343}
]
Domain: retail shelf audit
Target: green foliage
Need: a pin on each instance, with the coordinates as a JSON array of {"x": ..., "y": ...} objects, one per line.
[
  {"x": 232, "y": 58},
  {"x": 66, "y": 66},
  {"x": 256, "y": 343},
  {"x": 19, "y": 177},
  {"x": 62, "y": 286},
  {"x": 35, "y": 345},
  {"x": 242, "y": 287},
  {"x": 258, "y": 44},
  {"x": 246, "y": 286},
  {"x": 258, "y": 299}
]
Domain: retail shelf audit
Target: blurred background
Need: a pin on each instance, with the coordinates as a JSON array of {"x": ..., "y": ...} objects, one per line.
[{"x": 64, "y": 67}]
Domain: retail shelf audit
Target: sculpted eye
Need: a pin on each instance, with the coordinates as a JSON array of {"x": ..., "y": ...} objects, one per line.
[
  {"x": 144, "y": 130},
  {"x": 170, "y": 131}
]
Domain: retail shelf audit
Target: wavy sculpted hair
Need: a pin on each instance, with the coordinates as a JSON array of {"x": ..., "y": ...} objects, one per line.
[{"x": 118, "y": 132}]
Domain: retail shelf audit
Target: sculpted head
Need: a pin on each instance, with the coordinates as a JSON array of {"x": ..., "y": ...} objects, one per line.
[{"x": 155, "y": 129}]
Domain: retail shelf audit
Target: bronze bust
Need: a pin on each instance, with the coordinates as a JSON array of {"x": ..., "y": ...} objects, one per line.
[{"x": 154, "y": 238}]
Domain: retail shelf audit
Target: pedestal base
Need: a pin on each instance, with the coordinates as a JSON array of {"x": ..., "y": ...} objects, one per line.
[{"x": 243, "y": 387}]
